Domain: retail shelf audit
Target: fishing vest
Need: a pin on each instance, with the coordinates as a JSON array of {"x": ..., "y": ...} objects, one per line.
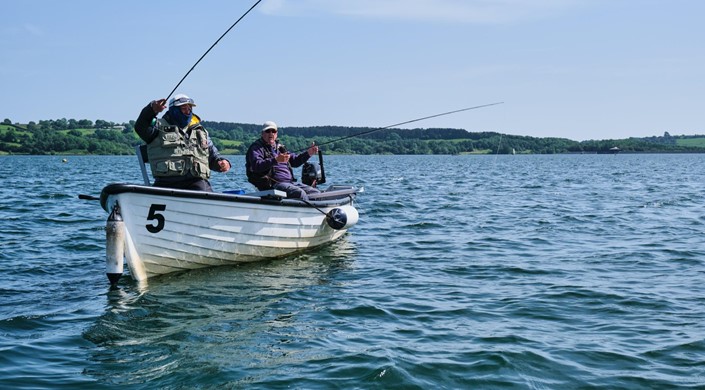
[
  {"x": 262, "y": 180},
  {"x": 173, "y": 153}
]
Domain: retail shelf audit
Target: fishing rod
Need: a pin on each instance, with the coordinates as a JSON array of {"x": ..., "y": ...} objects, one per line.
[
  {"x": 406, "y": 122},
  {"x": 90, "y": 197},
  {"x": 321, "y": 176},
  {"x": 209, "y": 49}
]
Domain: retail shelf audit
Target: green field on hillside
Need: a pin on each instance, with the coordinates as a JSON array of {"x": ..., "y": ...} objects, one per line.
[{"x": 696, "y": 142}]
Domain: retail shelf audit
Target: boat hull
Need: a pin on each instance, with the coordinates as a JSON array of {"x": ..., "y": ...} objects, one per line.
[{"x": 175, "y": 230}]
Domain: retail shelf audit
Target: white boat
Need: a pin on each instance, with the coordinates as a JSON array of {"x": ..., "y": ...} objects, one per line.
[{"x": 162, "y": 230}]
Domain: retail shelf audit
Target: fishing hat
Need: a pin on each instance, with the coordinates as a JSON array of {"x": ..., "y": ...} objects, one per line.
[
  {"x": 181, "y": 99},
  {"x": 269, "y": 125}
]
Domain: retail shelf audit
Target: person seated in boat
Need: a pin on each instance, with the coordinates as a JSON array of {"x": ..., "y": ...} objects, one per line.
[
  {"x": 269, "y": 165},
  {"x": 180, "y": 152}
]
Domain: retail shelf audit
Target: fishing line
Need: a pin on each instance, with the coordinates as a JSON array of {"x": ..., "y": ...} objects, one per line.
[
  {"x": 209, "y": 49},
  {"x": 406, "y": 122},
  {"x": 498, "y": 144}
]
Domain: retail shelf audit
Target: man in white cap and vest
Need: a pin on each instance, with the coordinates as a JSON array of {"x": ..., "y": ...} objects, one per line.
[
  {"x": 268, "y": 164},
  {"x": 180, "y": 152}
]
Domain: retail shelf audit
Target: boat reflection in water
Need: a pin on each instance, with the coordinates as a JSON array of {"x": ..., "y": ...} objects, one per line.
[{"x": 209, "y": 326}]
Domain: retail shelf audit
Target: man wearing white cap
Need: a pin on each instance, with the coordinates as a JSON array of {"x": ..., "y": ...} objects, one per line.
[
  {"x": 180, "y": 152},
  {"x": 268, "y": 164}
]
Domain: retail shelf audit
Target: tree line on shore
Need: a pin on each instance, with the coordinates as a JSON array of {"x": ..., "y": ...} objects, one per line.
[{"x": 70, "y": 136}]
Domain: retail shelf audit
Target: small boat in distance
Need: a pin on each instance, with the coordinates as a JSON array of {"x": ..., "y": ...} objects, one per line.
[{"x": 163, "y": 230}]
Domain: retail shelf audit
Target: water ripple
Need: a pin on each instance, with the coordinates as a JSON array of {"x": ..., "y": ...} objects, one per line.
[{"x": 567, "y": 271}]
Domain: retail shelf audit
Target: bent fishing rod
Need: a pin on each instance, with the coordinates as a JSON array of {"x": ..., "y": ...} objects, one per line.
[
  {"x": 320, "y": 153},
  {"x": 209, "y": 49},
  {"x": 90, "y": 197},
  {"x": 404, "y": 123}
]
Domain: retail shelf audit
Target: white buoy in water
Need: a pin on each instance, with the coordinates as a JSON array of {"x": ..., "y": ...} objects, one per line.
[{"x": 115, "y": 245}]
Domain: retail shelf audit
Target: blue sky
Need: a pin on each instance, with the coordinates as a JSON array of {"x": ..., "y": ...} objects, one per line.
[{"x": 579, "y": 69}]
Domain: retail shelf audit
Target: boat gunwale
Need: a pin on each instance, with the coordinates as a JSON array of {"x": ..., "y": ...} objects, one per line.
[{"x": 337, "y": 197}]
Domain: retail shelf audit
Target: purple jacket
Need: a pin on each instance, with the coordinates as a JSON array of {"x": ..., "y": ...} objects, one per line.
[{"x": 262, "y": 168}]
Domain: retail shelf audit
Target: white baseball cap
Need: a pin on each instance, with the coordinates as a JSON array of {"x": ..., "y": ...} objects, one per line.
[
  {"x": 181, "y": 99},
  {"x": 269, "y": 125}
]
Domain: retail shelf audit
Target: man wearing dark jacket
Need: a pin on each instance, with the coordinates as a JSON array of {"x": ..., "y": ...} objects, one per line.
[
  {"x": 180, "y": 152},
  {"x": 268, "y": 165}
]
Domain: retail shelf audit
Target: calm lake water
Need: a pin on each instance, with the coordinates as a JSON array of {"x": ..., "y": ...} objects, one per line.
[{"x": 536, "y": 272}]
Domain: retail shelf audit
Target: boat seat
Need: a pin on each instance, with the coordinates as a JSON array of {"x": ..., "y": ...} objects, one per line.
[{"x": 141, "y": 151}]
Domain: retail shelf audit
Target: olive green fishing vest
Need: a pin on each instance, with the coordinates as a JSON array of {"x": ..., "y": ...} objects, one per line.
[{"x": 173, "y": 153}]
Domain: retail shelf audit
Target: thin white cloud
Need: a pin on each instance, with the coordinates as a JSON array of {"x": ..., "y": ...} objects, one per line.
[{"x": 460, "y": 11}]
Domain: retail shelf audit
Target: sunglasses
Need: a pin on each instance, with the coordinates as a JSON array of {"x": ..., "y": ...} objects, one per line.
[
  {"x": 182, "y": 101},
  {"x": 270, "y": 131}
]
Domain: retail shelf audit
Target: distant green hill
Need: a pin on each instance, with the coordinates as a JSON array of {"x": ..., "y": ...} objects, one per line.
[{"x": 72, "y": 136}]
